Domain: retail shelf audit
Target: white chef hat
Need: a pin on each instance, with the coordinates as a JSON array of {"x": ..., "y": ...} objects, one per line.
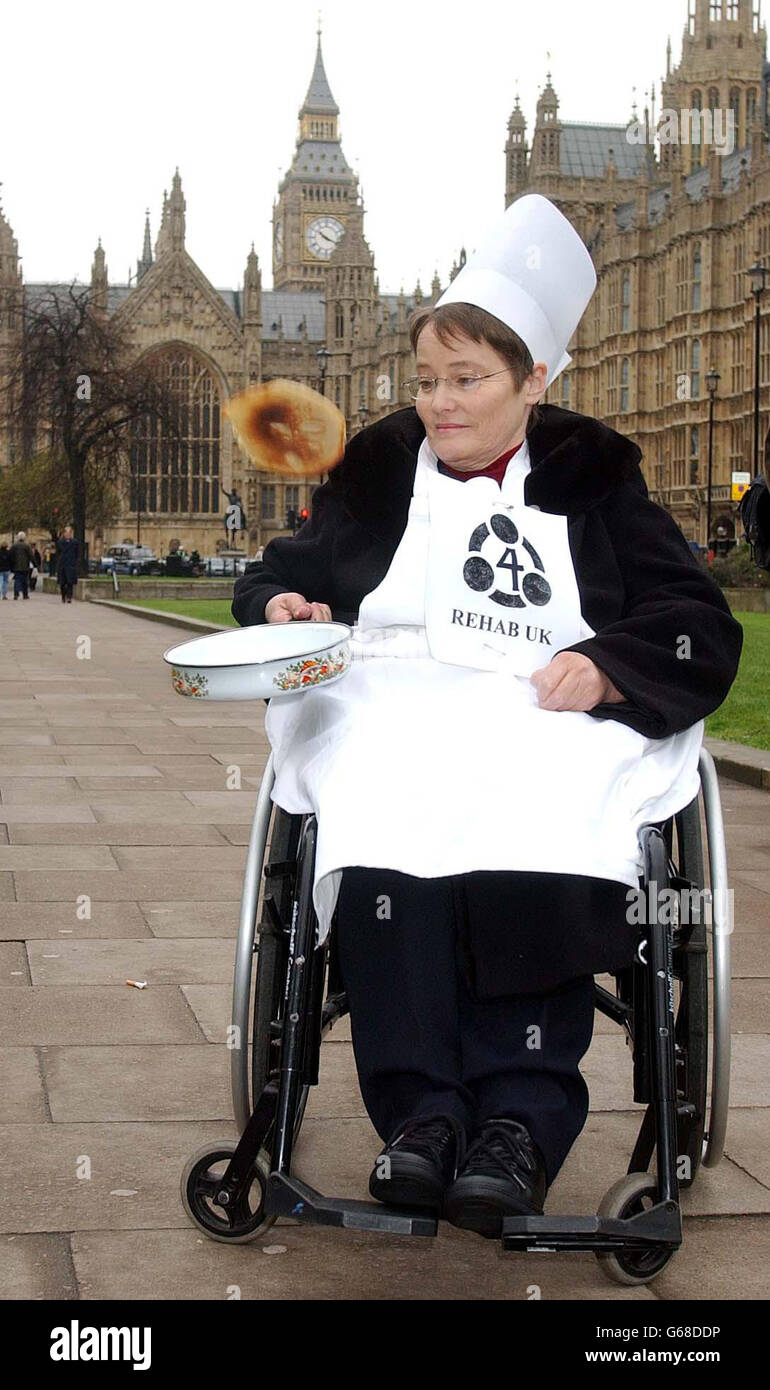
[{"x": 533, "y": 272}]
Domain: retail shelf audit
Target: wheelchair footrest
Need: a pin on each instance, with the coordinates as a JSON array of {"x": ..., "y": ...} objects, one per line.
[
  {"x": 287, "y": 1196},
  {"x": 661, "y": 1225}
]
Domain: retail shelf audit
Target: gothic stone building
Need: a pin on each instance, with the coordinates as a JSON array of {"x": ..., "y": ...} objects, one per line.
[{"x": 672, "y": 236}]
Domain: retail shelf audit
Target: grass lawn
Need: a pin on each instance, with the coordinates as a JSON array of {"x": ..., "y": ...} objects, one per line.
[
  {"x": 743, "y": 718},
  {"x": 209, "y": 610},
  {"x": 745, "y": 715}
]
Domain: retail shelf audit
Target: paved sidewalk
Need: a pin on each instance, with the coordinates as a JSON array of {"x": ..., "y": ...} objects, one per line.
[{"x": 111, "y": 786}]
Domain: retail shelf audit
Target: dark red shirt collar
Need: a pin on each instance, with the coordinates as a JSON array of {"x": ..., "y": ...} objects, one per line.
[{"x": 494, "y": 470}]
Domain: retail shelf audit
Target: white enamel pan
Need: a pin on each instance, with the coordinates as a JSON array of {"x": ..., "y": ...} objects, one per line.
[{"x": 258, "y": 663}]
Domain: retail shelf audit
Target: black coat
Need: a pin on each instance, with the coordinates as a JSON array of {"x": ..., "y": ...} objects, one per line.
[
  {"x": 664, "y": 632},
  {"x": 67, "y": 557},
  {"x": 21, "y": 557}
]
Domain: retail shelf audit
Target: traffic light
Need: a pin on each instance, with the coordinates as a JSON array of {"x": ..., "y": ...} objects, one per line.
[{"x": 304, "y": 514}]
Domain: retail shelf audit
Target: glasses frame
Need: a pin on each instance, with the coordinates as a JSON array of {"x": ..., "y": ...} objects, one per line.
[{"x": 436, "y": 379}]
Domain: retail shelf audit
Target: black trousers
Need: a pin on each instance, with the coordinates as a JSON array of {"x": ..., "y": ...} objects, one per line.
[{"x": 425, "y": 1043}]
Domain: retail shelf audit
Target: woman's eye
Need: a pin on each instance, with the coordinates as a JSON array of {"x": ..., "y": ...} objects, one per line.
[
  {"x": 466, "y": 383},
  {"x": 425, "y": 383}
]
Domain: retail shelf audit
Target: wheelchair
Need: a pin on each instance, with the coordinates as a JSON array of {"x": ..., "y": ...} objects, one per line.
[{"x": 235, "y": 1191}]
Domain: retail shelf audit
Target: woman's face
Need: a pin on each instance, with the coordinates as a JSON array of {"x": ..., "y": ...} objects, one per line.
[{"x": 471, "y": 430}]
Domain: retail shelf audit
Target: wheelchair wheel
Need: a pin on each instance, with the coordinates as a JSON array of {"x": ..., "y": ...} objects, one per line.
[
  {"x": 690, "y": 967},
  {"x": 272, "y": 964},
  {"x": 633, "y": 1194},
  {"x": 235, "y": 1225}
]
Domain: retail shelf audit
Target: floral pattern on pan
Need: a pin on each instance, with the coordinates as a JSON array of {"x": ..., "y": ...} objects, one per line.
[
  {"x": 312, "y": 670},
  {"x": 185, "y": 684}
]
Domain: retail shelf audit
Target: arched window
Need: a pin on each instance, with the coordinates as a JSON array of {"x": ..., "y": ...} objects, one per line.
[
  {"x": 339, "y": 322},
  {"x": 695, "y": 372},
  {"x": 625, "y": 318},
  {"x": 624, "y": 373},
  {"x": 178, "y": 470},
  {"x": 735, "y": 104},
  {"x": 696, "y": 277},
  {"x": 715, "y": 9},
  {"x": 751, "y": 105},
  {"x": 713, "y": 98}
]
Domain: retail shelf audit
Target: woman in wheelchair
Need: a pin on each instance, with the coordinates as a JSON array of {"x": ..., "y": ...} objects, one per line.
[{"x": 535, "y": 649}]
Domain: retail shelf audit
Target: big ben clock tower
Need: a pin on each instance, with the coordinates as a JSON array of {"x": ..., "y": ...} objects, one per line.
[{"x": 317, "y": 195}]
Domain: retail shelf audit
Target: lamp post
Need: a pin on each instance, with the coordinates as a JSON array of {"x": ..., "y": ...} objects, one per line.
[
  {"x": 758, "y": 274},
  {"x": 712, "y": 381},
  {"x": 323, "y": 357},
  {"x": 363, "y": 414}
]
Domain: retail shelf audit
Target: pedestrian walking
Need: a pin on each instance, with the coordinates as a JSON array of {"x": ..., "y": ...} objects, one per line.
[
  {"x": 5, "y": 568},
  {"x": 67, "y": 563},
  {"x": 35, "y": 571},
  {"x": 21, "y": 564}
]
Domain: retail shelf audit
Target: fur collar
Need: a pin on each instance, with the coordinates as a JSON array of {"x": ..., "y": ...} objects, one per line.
[{"x": 576, "y": 462}]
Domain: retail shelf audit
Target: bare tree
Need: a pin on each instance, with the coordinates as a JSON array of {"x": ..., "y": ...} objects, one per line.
[{"x": 74, "y": 393}]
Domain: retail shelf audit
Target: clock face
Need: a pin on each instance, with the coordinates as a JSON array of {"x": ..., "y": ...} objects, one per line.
[
  {"x": 279, "y": 242},
  {"x": 322, "y": 235}
]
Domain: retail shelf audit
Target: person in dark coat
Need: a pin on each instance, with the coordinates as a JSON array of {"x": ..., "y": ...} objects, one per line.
[
  {"x": 21, "y": 564},
  {"x": 5, "y": 569},
  {"x": 445, "y": 995},
  {"x": 67, "y": 563}
]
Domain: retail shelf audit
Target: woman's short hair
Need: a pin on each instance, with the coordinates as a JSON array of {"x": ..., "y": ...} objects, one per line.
[{"x": 450, "y": 321}]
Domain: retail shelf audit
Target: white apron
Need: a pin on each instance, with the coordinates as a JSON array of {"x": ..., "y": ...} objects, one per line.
[{"x": 432, "y": 755}]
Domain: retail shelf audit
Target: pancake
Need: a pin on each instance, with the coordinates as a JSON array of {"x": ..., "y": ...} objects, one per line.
[{"x": 287, "y": 428}]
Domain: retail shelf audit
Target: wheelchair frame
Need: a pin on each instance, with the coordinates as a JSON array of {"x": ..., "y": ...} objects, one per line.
[{"x": 633, "y": 1243}]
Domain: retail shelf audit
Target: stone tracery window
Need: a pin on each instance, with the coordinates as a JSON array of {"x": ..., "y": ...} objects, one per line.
[{"x": 180, "y": 472}]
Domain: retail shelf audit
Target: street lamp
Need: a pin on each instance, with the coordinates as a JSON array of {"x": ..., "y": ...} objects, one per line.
[
  {"x": 363, "y": 413},
  {"x": 323, "y": 356},
  {"x": 712, "y": 381},
  {"x": 758, "y": 274}
]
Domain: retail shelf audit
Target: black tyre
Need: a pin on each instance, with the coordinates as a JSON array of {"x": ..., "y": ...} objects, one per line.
[
  {"x": 272, "y": 963},
  {"x": 632, "y": 1195},
  {"x": 236, "y": 1224},
  {"x": 690, "y": 962}
]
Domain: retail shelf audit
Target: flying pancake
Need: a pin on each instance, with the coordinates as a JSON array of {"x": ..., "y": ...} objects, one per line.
[{"x": 288, "y": 428}]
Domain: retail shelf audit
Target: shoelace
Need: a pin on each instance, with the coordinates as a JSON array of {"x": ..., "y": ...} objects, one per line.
[
  {"x": 427, "y": 1137},
  {"x": 502, "y": 1148}
]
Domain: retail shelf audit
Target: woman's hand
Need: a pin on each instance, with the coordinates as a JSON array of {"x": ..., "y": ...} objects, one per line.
[
  {"x": 572, "y": 681},
  {"x": 283, "y": 608}
]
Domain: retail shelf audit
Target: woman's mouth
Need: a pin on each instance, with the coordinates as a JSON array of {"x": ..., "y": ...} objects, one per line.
[{"x": 451, "y": 427}]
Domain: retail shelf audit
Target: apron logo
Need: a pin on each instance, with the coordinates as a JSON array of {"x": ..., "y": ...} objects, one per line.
[{"x": 480, "y": 575}]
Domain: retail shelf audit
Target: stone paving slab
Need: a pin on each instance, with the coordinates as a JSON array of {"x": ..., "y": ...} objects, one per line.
[
  {"x": 135, "y": 1175},
  {"x": 7, "y": 890},
  {"x": 75, "y": 1014},
  {"x": 158, "y": 962},
  {"x": 29, "y": 813},
  {"x": 118, "y": 835},
  {"x": 156, "y": 1082},
  {"x": 108, "y": 886},
  {"x": 14, "y": 968},
  {"x": 192, "y": 919},
  {"x": 28, "y": 858},
  {"x": 37, "y": 1267},
  {"x": 31, "y": 920},
  {"x": 145, "y": 858},
  {"x": 292, "y": 1263},
  {"x": 23, "y": 1099}
]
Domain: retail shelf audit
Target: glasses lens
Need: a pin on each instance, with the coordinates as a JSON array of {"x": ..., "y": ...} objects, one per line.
[
  {"x": 419, "y": 386},
  {"x": 463, "y": 382}
]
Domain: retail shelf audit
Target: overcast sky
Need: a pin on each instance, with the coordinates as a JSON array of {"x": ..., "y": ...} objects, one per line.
[{"x": 99, "y": 101}]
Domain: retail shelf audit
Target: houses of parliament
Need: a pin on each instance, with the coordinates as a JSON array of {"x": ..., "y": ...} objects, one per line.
[{"x": 672, "y": 228}]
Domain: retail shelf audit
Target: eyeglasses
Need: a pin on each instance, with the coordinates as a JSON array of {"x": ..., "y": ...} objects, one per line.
[{"x": 461, "y": 383}]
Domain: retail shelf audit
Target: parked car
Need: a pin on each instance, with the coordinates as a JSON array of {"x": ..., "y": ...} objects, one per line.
[{"x": 129, "y": 559}]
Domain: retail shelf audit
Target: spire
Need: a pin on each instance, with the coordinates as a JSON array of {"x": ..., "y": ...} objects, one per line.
[
  {"x": 319, "y": 99},
  {"x": 99, "y": 280},
  {"x": 145, "y": 260},
  {"x": 172, "y": 223}
]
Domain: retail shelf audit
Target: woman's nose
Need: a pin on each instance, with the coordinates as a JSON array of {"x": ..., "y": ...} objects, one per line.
[{"x": 442, "y": 395}]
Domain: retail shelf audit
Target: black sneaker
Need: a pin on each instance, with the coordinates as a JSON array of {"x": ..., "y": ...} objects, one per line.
[
  {"x": 503, "y": 1175},
  {"x": 419, "y": 1162}
]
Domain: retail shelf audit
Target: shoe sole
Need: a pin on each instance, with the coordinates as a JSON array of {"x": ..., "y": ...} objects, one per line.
[
  {"x": 409, "y": 1185},
  {"x": 484, "y": 1211}
]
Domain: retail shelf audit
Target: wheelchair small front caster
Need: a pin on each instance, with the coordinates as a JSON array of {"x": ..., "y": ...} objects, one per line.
[
  {"x": 236, "y": 1224},
  {"x": 630, "y": 1196}
]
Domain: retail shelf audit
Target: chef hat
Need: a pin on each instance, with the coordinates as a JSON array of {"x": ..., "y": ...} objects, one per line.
[{"x": 532, "y": 272}]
